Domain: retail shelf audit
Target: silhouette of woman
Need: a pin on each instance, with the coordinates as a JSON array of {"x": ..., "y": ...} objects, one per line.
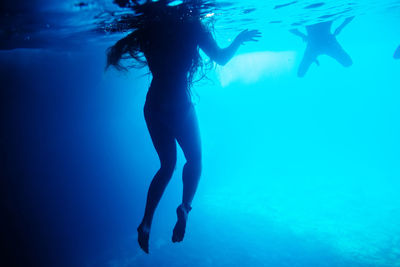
[
  {"x": 169, "y": 38},
  {"x": 320, "y": 41},
  {"x": 396, "y": 54}
]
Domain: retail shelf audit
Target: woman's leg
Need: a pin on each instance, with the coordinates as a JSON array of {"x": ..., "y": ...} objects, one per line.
[
  {"x": 310, "y": 55},
  {"x": 188, "y": 137},
  {"x": 165, "y": 145},
  {"x": 336, "y": 51}
]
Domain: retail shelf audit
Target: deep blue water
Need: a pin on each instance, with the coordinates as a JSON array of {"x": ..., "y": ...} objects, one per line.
[{"x": 296, "y": 172}]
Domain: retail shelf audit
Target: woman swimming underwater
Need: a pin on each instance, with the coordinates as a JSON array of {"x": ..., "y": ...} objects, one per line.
[
  {"x": 169, "y": 37},
  {"x": 320, "y": 41}
]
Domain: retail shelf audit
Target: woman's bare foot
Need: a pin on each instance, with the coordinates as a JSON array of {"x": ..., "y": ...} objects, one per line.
[
  {"x": 180, "y": 226},
  {"x": 143, "y": 237}
]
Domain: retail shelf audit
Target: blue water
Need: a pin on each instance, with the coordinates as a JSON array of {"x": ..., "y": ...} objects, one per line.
[{"x": 297, "y": 171}]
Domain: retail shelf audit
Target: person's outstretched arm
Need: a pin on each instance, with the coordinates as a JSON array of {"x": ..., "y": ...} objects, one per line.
[
  {"x": 115, "y": 52},
  {"x": 222, "y": 55},
  {"x": 344, "y": 23},
  {"x": 396, "y": 54},
  {"x": 300, "y": 34}
]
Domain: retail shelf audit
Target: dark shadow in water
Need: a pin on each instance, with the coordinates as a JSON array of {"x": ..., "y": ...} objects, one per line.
[
  {"x": 314, "y": 5},
  {"x": 61, "y": 186},
  {"x": 249, "y": 10},
  {"x": 326, "y": 16},
  {"x": 285, "y": 5}
]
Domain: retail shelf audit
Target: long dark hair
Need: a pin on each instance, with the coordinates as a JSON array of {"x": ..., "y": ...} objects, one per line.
[{"x": 145, "y": 13}]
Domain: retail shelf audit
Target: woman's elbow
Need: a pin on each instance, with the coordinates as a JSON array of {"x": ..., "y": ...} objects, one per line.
[{"x": 221, "y": 61}]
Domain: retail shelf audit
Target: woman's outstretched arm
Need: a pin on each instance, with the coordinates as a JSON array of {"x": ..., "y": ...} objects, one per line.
[
  {"x": 128, "y": 44},
  {"x": 300, "y": 34},
  {"x": 222, "y": 55},
  {"x": 396, "y": 54}
]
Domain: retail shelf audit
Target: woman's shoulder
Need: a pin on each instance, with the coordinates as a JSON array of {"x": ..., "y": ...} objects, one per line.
[
  {"x": 200, "y": 30},
  {"x": 201, "y": 27}
]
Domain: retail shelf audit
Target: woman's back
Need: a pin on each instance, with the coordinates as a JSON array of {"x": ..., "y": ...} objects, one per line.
[{"x": 320, "y": 33}]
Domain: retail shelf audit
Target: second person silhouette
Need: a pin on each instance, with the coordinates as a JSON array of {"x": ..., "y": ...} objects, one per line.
[{"x": 321, "y": 41}]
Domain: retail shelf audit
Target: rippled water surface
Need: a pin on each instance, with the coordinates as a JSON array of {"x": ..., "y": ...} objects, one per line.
[{"x": 44, "y": 23}]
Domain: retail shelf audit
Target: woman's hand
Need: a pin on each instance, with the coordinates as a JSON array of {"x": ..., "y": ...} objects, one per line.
[
  {"x": 248, "y": 36},
  {"x": 222, "y": 56}
]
